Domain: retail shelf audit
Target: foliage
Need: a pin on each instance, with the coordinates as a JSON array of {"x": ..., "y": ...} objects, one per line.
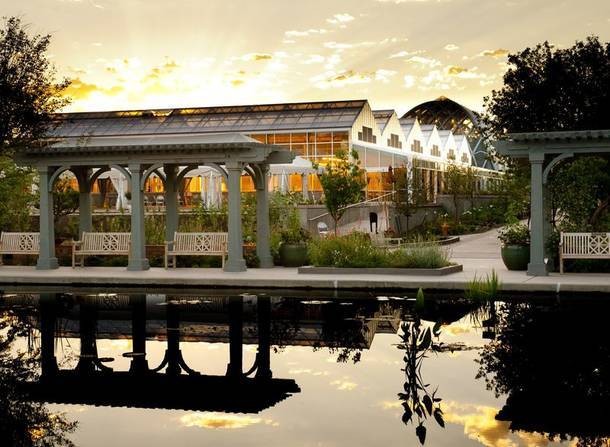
[
  {"x": 285, "y": 223},
  {"x": 580, "y": 193},
  {"x": 515, "y": 234},
  {"x": 356, "y": 250},
  {"x": 417, "y": 399},
  {"x": 459, "y": 182},
  {"x": 16, "y": 196},
  {"x": 24, "y": 423},
  {"x": 342, "y": 182},
  {"x": 409, "y": 189},
  {"x": 65, "y": 198},
  {"x": 479, "y": 289},
  {"x": 548, "y": 89},
  {"x": 27, "y": 86}
]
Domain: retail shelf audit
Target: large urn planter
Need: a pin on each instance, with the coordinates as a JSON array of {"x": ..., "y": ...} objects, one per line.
[
  {"x": 516, "y": 257},
  {"x": 293, "y": 255}
]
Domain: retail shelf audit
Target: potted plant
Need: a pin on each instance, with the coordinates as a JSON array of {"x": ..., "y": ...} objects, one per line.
[
  {"x": 515, "y": 246},
  {"x": 293, "y": 246}
]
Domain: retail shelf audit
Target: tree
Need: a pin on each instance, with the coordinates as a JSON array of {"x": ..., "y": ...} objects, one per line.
[
  {"x": 459, "y": 182},
  {"x": 409, "y": 193},
  {"x": 342, "y": 182},
  {"x": 29, "y": 93},
  {"x": 547, "y": 89},
  {"x": 16, "y": 196}
]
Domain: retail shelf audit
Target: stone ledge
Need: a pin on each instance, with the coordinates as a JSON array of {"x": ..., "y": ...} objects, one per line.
[{"x": 380, "y": 270}]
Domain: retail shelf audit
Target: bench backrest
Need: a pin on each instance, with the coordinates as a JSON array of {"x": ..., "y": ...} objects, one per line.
[
  {"x": 20, "y": 242},
  {"x": 201, "y": 242},
  {"x": 591, "y": 244},
  {"x": 106, "y": 242}
]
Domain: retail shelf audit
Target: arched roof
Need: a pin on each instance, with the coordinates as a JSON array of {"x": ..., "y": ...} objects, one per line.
[{"x": 447, "y": 115}]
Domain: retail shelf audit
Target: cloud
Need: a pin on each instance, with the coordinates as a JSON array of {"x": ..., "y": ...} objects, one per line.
[
  {"x": 409, "y": 81},
  {"x": 454, "y": 70},
  {"x": 351, "y": 77},
  {"x": 413, "y": 1},
  {"x": 344, "y": 385},
  {"x": 451, "y": 47},
  {"x": 80, "y": 89},
  {"x": 305, "y": 33},
  {"x": 257, "y": 57},
  {"x": 424, "y": 61},
  {"x": 222, "y": 421},
  {"x": 500, "y": 52},
  {"x": 313, "y": 59},
  {"x": 341, "y": 19}
]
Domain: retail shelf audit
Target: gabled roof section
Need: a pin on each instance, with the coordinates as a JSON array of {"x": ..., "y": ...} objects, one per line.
[
  {"x": 382, "y": 117},
  {"x": 248, "y": 118}
]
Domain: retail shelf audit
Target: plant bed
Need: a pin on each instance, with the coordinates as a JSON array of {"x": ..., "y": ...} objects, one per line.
[{"x": 381, "y": 270}]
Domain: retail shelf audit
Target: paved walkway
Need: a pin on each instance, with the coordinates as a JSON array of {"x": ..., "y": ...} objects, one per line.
[{"x": 479, "y": 254}]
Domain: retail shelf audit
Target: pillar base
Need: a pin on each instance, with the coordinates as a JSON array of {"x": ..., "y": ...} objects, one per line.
[
  {"x": 537, "y": 269},
  {"x": 47, "y": 264},
  {"x": 238, "y": 265},
  {"x": 136, "y": 265},
  {"x": 266, "y": 262}
]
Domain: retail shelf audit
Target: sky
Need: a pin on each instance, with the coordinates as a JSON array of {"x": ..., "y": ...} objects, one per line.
[{"x": 132, "y": 54}]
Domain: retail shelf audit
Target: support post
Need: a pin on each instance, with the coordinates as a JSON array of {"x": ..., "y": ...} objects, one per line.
[
  {"x": 137, "y": 250},
  {"x": 235, "y": 262},
  {"x": 85, "y": 221},
  {"x": 171, "y": 201},
  {"x": 48, "y": 320},
  {"x": 46, "y": 258},
  {"x": 236, "y": 336},
  {"x": 537, "y": 266},
  {"x": 263, "y": 305},
  {"x": 263, "y": 248}
]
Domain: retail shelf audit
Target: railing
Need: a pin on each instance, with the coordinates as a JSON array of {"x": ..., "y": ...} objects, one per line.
[{"x": 375, "y": 199}]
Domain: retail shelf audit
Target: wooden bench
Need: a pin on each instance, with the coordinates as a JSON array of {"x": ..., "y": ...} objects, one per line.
[
  {"x": 583, "y": 246},
  {"x": 100, "y": 244},
  {"x": 19, "y": 244},
  {"x": 196, "y": 244}
]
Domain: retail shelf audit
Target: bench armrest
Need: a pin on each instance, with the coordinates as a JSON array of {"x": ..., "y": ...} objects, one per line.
[
  {"x": 77, "y": 243},
  {"x": 169, "y": 244}
]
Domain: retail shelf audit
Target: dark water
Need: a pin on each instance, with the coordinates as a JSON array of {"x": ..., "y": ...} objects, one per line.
[{"x": 293, "y": 369}]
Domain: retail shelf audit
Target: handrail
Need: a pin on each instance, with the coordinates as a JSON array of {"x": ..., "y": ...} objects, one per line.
[{"x": 353, "y": 205}]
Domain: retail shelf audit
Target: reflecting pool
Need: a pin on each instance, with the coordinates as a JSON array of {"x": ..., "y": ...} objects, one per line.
[{"x": 294, "y": 368}]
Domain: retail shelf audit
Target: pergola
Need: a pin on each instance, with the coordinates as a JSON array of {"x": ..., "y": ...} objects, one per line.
[
  {"x": 545, "y": 150},
  {"x": 137, "y": 157}
]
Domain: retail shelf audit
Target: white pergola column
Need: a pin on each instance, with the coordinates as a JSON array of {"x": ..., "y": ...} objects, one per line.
[
  {"x": 171, "y": 201},
  {"x": 537, "y": 266},
  {"x": 85, "y": 220},
  {"x": 137, "y": 253},
  {"x": 235, "y": 262},
  {"x": 46, "y": 257},
  {"x": 263, "y": 233}
]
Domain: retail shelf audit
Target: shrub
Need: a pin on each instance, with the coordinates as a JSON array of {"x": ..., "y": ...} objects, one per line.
[
  {"x": 356, "y": 250},
  {"x": 516, "y": 234}
]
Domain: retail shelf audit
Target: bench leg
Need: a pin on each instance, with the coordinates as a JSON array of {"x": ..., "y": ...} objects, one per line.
[
  {"x": 560, "y": 264},
  {"x": 1, "y": 260},
  {"x": 165, "y": 260}
]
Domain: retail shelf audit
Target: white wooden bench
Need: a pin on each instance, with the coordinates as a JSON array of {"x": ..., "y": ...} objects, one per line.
[
  {"x": 19, "y": 244},
  {"x": 583, "y": 246},
  {"x": 196, "y": 244},
  {"x": 100, "y": 244}
]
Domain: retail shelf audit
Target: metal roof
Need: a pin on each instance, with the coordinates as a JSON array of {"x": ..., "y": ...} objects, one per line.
[
  {"x": 248, "y": 118},
  {"x": 382, "y": 118},
  {"x": 559, "y": 136}
]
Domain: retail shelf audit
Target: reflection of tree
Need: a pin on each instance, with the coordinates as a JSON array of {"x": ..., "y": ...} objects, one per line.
[
  {"x": 553, "y": 362},
  {"x": 417, "y": 400},
  {"x": 24, "y": 423}
]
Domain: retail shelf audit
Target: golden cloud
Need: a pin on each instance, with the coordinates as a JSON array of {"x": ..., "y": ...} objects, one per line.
[
  {"x": 344, "y": 385},
  {"x": 257, "y": 57},
  {"x": 237, "y": 82},
  {"x": 78, "y": 89},
  {"x": 222, "y": 421},
  {"x": 500, "y": 52},
  {"x": 454, "y": 70}
]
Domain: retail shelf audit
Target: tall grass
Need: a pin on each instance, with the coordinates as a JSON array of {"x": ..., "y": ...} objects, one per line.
[
  {"x": 483, "y": 289},
  {"x": 357, "y": 250}
]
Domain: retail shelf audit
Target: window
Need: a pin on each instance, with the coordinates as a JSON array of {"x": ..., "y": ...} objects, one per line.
[
  {"x": 394, "y": 141},
  {"x": 416, "y": 146},
  {"x": 451, "y": 154},
  {"x": 436, "y": 151},
  {"x": 464, "y": 158},
  {"x": 367, "y": 135}
]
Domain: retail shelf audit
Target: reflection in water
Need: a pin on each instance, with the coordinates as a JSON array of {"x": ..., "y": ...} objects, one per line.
[
  {"x": 547, "y": 364},
  {"x": 22, "y": 421},
  {"x": 553, "y": 362}
]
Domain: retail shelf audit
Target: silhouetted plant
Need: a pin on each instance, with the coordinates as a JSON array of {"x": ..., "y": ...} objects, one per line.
[{"x": 417, "y": 400}]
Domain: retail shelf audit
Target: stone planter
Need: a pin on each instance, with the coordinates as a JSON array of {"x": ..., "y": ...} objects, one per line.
[
  {"x": 516, "y": 257},
  {"x": 293, "y": 255}
]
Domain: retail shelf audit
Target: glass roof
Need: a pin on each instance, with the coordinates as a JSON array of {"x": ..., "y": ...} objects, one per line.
[{"x": 252, "y": 118}]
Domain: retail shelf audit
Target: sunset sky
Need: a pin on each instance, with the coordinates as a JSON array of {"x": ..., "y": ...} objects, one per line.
[{"x": 124, "y": 54}]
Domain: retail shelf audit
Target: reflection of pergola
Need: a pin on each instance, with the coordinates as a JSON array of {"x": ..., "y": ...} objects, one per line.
[
  {"x": 545, "y": 150},
  {"x": 137, "y": 157}
]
